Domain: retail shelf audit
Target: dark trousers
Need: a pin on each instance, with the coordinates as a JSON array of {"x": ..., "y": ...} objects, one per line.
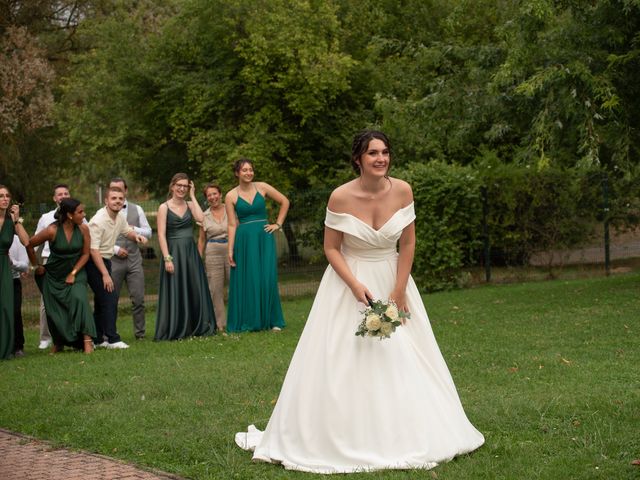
[
  {"x": 105, "y": 304},
  {"x": 18, "y": 343}
]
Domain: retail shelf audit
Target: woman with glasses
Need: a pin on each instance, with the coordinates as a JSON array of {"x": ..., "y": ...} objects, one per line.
[{"x": 184, "y": 304}]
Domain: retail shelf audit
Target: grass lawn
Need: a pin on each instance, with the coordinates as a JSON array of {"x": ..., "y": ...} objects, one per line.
[{"x": 548, "y": 371}]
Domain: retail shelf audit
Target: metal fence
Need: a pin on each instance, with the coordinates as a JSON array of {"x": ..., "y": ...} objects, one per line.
[{"x": 301, "y": 260}]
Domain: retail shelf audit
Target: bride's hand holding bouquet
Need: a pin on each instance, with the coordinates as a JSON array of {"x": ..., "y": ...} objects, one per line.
[
  {"x": 381, "y": 319},
  {"x": 399, "y": 298},
  {"x": 361, "y": 293}
]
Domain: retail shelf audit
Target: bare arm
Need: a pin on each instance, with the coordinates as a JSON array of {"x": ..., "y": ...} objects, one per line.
[
  {"x": 162, "y": 238},
  {"x": 194, "y": 206},
  {"x": 18, "y": 227},
  {"x": 332, "y": 244},
  {"x": 84, "y": 256},
  {"x": 232, "y": 223},
  {"x": 278, "y": 197},
  {"x": 201, "y": 241},
  {"x": 407, "y": 246},
  {"x": 196, "y": 211},
  {"x": 46, "y": 235}
]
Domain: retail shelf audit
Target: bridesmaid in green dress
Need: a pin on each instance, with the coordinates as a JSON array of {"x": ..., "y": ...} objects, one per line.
[
  {"x": 254, "y": 301},
  {"x": 63, "y": 281},
  {"x": 184, "y": 304},
  {"x": 10, "y": 224}
]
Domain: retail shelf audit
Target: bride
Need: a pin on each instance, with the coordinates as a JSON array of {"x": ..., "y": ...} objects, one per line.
[{"x": 353, "y": 404}]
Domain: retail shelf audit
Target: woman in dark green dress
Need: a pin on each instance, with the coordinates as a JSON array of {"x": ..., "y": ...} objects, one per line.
[
  {"x": 184, "y": 303},
  {"x": 254, "y": 300},
  {"x": 63, "y": 281},
  {"x": 10, "y": 224}
]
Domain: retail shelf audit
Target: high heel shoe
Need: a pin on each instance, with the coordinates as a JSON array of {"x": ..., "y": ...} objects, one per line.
[{"x": 88, "y": 344}]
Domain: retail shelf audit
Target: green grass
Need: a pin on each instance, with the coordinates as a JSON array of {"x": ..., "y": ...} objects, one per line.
[{"x": 548, "y": 371}]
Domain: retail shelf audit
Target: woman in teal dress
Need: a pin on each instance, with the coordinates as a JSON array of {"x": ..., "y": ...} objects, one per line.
[
  {"x": 254, "y": 301},
  {"x": 63, "y": 281},
  {"x": 184, "y": 304},
  {"x": 10, "y": 223}
]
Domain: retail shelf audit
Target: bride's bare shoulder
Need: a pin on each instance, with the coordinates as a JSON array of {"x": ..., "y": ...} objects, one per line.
[
  {"x": 402, "y": 191},
  {"x": 341, "y": 197}
]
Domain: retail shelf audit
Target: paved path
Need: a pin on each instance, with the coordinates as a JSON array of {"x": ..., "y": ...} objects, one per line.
[{"x": 26, "y": 458}]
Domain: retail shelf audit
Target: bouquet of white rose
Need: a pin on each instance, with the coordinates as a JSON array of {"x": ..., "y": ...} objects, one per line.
[{"x": 380, "y": 319}]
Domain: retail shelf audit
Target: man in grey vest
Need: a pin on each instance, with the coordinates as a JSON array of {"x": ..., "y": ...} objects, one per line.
[{"x": 126, "y": 264}]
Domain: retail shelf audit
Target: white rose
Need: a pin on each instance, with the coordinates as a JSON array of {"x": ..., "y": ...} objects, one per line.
[
  {"x": 373, "y": 322},
  {"x": 392, "y": 312},
  {"x": 386, "y": 329}
]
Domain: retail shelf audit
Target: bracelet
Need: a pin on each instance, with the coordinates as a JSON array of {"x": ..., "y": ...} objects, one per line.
[
  {"x": 74, "y": 272},
  {"x": 279, "y": 226},
  {"x": 20, "y": 220},
  {"x": 35, "y": 267},
  {"x": 168, "y": 258}
]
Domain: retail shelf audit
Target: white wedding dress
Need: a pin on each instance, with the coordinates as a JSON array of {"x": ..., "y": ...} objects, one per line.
[{"x": 354, "y": 404}]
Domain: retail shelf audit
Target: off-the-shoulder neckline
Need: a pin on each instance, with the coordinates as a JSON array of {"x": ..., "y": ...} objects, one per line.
[{"x": 365, "y": 223}]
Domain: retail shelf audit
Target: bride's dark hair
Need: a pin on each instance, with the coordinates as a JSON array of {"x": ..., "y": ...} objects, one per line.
[{"x": 361, "y": 143}]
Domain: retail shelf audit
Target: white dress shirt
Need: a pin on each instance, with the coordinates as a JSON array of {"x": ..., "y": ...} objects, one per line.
[
  {"x": 45, "y": 220},
  {"x": 18, "y": 258}
]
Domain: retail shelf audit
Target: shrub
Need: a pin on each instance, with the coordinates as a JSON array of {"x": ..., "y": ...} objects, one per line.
[{"x": 448, "y": 222}]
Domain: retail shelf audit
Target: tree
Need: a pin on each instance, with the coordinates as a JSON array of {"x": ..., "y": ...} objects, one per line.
[
  {"x": 35, "y": 39},
  {"x": 26, "y": 99},
  {"x": 571, "y": 63},
  {"x": 215, "y": 81}
]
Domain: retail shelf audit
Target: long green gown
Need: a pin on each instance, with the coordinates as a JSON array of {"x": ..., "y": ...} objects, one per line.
[
  {"x": 254, "y": 300},
  {"x": 6, "y": 290},
  {"x": 69, "y": 315},
  {"x": 185, "y": 308}
]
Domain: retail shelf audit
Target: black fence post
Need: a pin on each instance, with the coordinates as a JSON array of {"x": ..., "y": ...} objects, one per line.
[
  {"x": 485, "y": 234},
  {"x": 605, "y": 210}
]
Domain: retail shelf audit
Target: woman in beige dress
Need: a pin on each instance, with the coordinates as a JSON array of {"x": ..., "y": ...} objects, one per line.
[{"x": 212, "y": 243}]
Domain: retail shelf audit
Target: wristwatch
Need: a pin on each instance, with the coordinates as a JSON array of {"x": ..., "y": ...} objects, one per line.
[{"x": 20, "y": 221}]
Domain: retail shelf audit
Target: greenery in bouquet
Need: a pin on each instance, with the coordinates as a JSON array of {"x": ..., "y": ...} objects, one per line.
[{"x": 380, "y": 319}]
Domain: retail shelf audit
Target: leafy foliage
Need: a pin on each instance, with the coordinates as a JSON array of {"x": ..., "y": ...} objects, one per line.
[
  {"x": 531, "y": 210},
  {"x": 26, "y": 99},
  {"x": 448, "y": 215}
]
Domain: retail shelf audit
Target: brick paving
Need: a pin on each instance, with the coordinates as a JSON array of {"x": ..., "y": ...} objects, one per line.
[{"x": 26, "y": 458}]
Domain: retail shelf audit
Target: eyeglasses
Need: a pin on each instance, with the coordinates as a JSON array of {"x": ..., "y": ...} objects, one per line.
[{"x": 182, "y": 185}]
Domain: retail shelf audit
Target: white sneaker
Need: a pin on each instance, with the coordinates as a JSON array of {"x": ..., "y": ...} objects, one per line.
[
  {"x": 44, "y": 344},
  {"x": 276, "y": 329},
  {"x": 104, "y": 344},
  {"x": 118, "y": 345}
]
